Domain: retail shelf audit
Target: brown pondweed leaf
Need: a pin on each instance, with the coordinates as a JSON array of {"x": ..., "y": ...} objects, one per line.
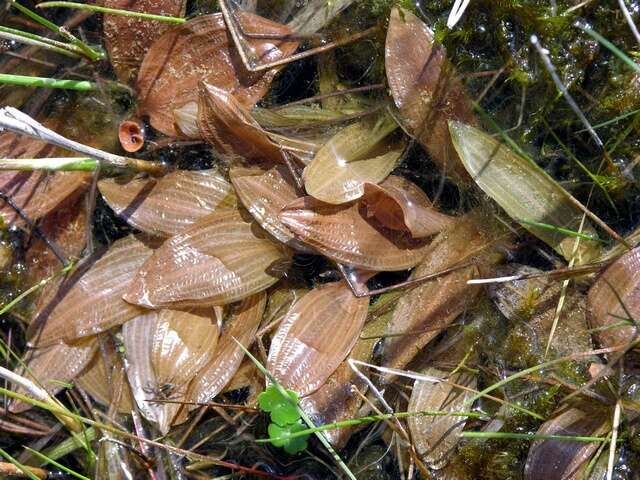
[
  {"x": 344, "y": 234},
  {"x": 526, "y": 192},
  {"x": 315, "y": 336},
  {"x": 242, "y": 325},
  {"x": 104, "y": 382},
  {"x": 424, "y": 312},
  {"x": 425, "y": 89},
  {"x": 264, "y": 194},
  {"x": 335, "y": 401},
  {"x": 222, "y": 258},
  {"x": 613, "y": 298},
  {"x": 127, "y": 39},
  {"x": 565, "y": 459},
  {"x": 53, "y": 367},
  {"x": 165, "y": 349},
  {"x": 227, "y": 125},
  {"x": 201, "y": 50},
  {"x": 435, "y": 437},
  {"x": 90, "y": 301},
  {"x": 400, "y": 204},
  {"x": 166, "y": 206},
  {"x": 356, "y": 154}
]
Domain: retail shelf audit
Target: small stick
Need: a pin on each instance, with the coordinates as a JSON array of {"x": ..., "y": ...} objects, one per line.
[{"x": 10, "y": 470}]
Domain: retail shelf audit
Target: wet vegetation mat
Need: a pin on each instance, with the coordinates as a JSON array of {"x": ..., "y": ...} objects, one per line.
[{"x": 370, "y": 239}]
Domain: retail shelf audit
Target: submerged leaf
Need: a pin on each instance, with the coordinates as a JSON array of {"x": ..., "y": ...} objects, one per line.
[
  {"x": 435, "y": 437},
  {"x": 613, "y": 298},
  {"x": 165, "y": 350},
  {"x": 399, "y": 204},
  {"x": 127, "y": 38},
  {"x": 425, "y": 89},
  {"x": 90, "y": 301},
  {"x": 167, "y": 206},
  {"x": 342, "y": 233},
  {"x": 315, "y": 336},
  {"x": 54, "y": 366},
  {"x": 526, "y": 192},
  {"x": 222, "y": 366},
  {"x": 225, "y": 123},
  {"x": 220, "y": 259},
  {"x": 355, "y": 155},
  {"x": 264, "y": 195},
  {"x": 201, "y": 50},
  {"x": 564, "y": 459}
]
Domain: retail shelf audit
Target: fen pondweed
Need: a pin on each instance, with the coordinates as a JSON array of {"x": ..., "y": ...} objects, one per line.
[{"x": 336, "y": 150}]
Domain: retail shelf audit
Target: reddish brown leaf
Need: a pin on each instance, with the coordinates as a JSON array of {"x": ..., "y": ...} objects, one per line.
[
  {"x": 220, "y": 259},
  {"x": 201, "y": 50},
  {"x": 315, "y": 336}
]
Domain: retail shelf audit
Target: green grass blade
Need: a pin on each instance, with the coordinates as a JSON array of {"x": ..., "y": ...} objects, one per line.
[
  {"x": 59, "y": 465},
  {"x": 615, "y": 50},
  {"x": 114, "y": 11},
  {"x": 28, "y": 473},
  {"x": 40, "y": 42},
  {"x": 564, "y": 231},
  {"x": 530, "y": 436},
  {"x": 64, "y": 164},
  {"x": 28, "y": 81}
]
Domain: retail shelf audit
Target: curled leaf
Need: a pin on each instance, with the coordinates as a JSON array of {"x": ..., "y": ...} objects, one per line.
[
  {"x": 228, "y": 126},
  {"x": 425, "y": 88},
  {"x": 435, "y": 437},
  {"x": 90, "y": 301},
  {"x": 525, "y": 191},
  {"x": 201, "y": 50},
  {"x": 131, "y": 135},
  {"x": 220, "y": 259},
  {"x": 222, "y": 366},
  {"x": 344, "y": 234},
  {"x": 127, "y": 38},
  {"x": 613, "y": 298},
  {"x": 54, "y": 366},
  {"x": 165, "y": 349},
  {"x": 355, "y": 155},
  {"x": 315, "y": 336},
  {"x": 264, "y": 195},
  {"x": 564, "y": 459},
  {"x": 167, "y": 206},
  {"x": 399, "y": 204}
]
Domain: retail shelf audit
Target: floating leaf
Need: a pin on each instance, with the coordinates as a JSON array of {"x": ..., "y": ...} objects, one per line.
[
  {"x": 343, "y": 233},
  {"x": 355, "y": 155},
  {"x": 435, "y": 437},
  {"x": 264, "y": 195},
  {"x": 53, "y": 366},
  {"x": 281, "y": 409},
  {"x": 200, "y": 50},
  {"x": 220, "y": 259},
  {"x": 399, "y": 204},
  {"x": 564, "y": 459},
  {"x": 165, "y": 350},
  {"x": 425, "y": 311},
  {"x": 315, "y": 336},
  {"x": 425, "y": 88},
  {"x": 224, "y": 123},
  {"x": 167, "y": 206},
  {"x": 613, "y": 298},
  {"x": 526, "y": 192},
  {"x": 290, "y": 445},
  {"x": 90, "y": 301},
  {"x": 127, "y": 39},
  {"x": 222, "y": 366}
]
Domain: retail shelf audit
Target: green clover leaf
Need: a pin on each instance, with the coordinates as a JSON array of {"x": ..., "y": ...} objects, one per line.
[
  {"x": 291, "y": 445},
  {"x": 283, "y": 410}
]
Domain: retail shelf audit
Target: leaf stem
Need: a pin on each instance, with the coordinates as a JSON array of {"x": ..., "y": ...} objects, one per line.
[
  {"x": 28, "y": 81},
  {"x": 114, "y": 11},
  {"x": 529, "y": 436},
  {"x": 38, "y": 41},
  {"x": 64, "y": 164}
]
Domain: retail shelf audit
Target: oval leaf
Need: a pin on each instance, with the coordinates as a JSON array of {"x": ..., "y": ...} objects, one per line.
[
  {"x": 220, "y": 259},
  {"x": 525, "y": 191},
  {"x": 355, "y": 155},
  {"x": 167, "y": 206},
  {"x": 165, "y": 349},
  {"x": 342, "y": 233},
  {"x": 315, "y": 336},
  {"x": 425, "y": 89},
  {"x": 201, "y": 50}
]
